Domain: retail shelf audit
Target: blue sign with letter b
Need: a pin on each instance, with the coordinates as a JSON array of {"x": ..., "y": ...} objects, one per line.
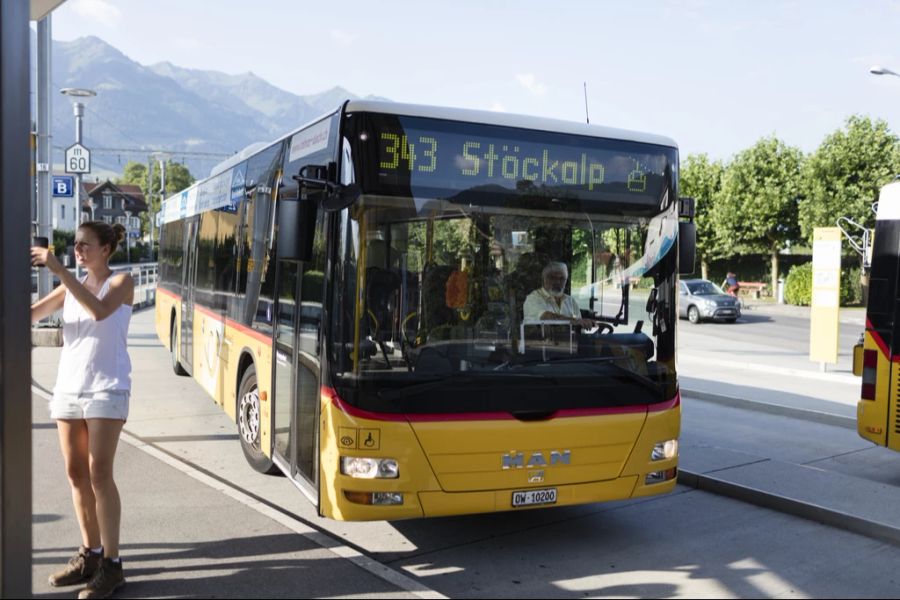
[{"x": 63, "y": 186}]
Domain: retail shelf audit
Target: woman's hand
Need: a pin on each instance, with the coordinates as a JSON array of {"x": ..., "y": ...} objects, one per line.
[{"x": 43, "y": 257}]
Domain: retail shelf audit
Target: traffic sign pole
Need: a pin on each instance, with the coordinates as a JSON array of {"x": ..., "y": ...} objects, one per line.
[{"x": 78, "y": 161}]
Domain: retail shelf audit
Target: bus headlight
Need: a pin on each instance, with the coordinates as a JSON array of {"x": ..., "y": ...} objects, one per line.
[
  {"x": 664, "y": 450},
  {"x": 370, "y": 468}
]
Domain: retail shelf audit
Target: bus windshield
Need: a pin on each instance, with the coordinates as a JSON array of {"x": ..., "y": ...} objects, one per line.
[
  {"x": 442, "y": 298},
  {"x": 432, "y": 308}
]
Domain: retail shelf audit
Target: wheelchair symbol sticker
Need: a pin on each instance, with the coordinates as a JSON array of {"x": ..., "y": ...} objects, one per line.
[{"x": 370, "y": 439}]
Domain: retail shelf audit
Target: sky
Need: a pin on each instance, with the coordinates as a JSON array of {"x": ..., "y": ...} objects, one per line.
[{"x": 715, "y": 76}]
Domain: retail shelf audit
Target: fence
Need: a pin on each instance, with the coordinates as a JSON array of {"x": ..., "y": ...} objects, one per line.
[{"x": 144, "y": 275}]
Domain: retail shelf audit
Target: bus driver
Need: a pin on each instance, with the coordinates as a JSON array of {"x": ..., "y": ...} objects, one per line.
[{"x": 550, "y": 302}]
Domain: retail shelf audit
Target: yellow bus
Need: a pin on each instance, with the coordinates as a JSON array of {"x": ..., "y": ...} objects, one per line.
[
  {"x": 353, "y": 296},
  {"x": 877, "y": 358}
]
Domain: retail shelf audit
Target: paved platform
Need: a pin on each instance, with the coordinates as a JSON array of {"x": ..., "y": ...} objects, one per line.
[{"x": 185, "y": 533}]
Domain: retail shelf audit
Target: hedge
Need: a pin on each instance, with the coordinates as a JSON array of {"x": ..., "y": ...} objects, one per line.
[{"x": 798, "y": 286}]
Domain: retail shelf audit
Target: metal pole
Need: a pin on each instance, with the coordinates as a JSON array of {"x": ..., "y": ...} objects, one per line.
[
  {"x": 152, "y": 218},
  {"x": 44, "y": 161},
  {"x": 128, "y": 236},
  {"x": 162, "y": 184},
  {"x": 15, "y": 276},
  {"x": 79, "y": 113}
]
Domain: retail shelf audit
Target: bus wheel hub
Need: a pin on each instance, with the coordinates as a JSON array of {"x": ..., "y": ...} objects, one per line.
[{"x": 249, "y": 416}]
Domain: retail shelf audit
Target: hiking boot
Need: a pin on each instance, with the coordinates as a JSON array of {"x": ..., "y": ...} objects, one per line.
[
  {"x": 106, "y": 580},
  {"x": 80, "y": 567}
]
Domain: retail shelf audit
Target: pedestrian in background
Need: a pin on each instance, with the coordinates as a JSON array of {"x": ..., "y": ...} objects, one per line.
[
  {"x": 731, "y": 285},
  {"x": 90, "y": 399}
]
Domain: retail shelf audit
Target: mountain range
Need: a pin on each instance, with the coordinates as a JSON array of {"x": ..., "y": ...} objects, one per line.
[{"x": 141, "y": 108}]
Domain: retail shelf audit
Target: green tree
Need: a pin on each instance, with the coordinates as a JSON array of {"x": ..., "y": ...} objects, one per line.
[
  {"x": 178, "y": 177},
  {"x": 757, "y": 211},
  {"x": 701, "y": 179},
  {"x": 843, "y": 176}
]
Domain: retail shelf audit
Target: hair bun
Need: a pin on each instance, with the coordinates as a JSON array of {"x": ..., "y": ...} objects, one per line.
[{"x": 120, "y": 232}]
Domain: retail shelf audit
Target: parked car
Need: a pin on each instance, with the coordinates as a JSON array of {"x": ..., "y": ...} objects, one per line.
[{"x": 702, "y": 300}]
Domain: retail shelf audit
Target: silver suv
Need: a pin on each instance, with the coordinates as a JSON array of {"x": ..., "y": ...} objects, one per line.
[{"x": 702, "y": 300}]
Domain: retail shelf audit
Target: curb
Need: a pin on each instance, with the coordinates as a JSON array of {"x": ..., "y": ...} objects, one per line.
[
  {"x": 798, "y": 508},
  {"x": 844, "y": 378},
  {"x": 803, "y": 414}
]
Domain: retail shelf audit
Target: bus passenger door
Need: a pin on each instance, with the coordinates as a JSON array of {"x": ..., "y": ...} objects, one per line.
[
  {"x": 188, "y": 277},
  {"x": 296, "y": 385}
]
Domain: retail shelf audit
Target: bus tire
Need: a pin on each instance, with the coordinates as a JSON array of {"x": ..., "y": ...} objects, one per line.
[
  {"x": 249, "y": 421},
  {"x": 173, "y": 348}
]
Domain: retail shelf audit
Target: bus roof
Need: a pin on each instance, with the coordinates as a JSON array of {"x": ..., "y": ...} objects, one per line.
[
  {"x": 508, "y": 120},
  {"x": 465, "y": 115},
  {"x": 889, "y": 202}
]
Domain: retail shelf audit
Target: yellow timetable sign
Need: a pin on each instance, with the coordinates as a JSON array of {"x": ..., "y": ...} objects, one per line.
[{"x": 826, "y": 294}]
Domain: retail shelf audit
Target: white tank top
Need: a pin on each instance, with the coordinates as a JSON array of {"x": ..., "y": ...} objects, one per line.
[{"x": 94, "y": 355}]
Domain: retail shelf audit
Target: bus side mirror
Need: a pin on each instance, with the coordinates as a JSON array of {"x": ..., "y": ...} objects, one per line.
[
  {"x": 296, "y": 228},
  {"x": 342, "y": 197},
  {"x": 687, "y": 247},
  {"x": 322, "y": 177}
]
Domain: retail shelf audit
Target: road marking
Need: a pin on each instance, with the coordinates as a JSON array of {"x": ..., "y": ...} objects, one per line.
[{"x": 296, "y": 525}]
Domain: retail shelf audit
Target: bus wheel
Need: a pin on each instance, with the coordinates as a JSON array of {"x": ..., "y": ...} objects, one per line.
[
  {"x": 249, "y": 420},
  {"x": 694, "y": 315},
  {"x": 173, "y": 347}
]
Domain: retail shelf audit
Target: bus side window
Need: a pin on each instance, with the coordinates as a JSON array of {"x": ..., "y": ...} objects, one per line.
[{"x": 312, "y": 290}]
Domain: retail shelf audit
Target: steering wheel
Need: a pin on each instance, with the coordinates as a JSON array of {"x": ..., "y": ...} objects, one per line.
[{"x": 601, "y": 328}]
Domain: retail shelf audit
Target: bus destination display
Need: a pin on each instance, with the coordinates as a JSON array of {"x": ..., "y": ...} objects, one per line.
[{"x": 456, "y": 160}]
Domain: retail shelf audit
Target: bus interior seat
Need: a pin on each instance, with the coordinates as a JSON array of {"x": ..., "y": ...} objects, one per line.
[
  {"x": 524, "y": 279},
  {"x": 435, "y": 312}
]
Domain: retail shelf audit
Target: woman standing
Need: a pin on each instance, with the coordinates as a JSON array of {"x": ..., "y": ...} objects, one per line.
[{"x": 90, "y": 399}]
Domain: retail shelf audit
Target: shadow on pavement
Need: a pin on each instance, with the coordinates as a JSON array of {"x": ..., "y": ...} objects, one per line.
[{"x": 270, "y": 566}]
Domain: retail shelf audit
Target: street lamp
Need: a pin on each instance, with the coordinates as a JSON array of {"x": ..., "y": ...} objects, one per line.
[
  {"x": 879, "y": 70},
  {"x": 161, "y": 157},
  {"x": 78, "y": 107},
  {"x": 128, "y": 236}
]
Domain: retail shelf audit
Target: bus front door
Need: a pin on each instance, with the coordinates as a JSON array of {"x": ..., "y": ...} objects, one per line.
[
  {"x": 189, "y": 276},
  {"x": 296, "y": 385}
]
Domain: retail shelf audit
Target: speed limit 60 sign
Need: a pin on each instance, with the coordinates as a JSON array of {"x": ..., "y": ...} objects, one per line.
[{"x": 78, "y": 159}]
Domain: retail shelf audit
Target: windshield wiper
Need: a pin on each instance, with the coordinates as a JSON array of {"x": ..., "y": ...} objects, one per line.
[
  {"x": 394, "y": 394},
  {"x": 606, "y": 360}
]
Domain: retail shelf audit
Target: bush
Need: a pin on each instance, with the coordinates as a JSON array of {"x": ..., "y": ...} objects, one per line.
[
  {"x": 798, "y": 286},
  {"x": 62, "y": 240},
  {"x": 851, "y": 289}
]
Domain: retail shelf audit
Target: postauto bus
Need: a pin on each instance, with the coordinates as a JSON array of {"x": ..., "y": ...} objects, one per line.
[
  {"x": 877, "y": 358},
  {"x": 352, "y": 296}
]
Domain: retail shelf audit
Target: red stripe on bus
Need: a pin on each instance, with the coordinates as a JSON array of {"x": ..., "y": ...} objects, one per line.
[
  {"x": 228, "y": 322},
  {"x": 331, "y": 395},
  {"x": 168, "y": 293},
  {"x": 880, "y": 342},
  {"x": 353, "y": 411}
]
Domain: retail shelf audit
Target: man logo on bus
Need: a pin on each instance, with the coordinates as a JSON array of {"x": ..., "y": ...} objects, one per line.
[{"x": 516, "y": 460}]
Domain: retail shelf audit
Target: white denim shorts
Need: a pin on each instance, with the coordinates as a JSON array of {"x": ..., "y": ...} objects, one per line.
[{"x": 112, "y": 404}]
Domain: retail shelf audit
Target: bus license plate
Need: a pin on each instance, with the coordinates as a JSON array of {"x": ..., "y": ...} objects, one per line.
[{"x": 534, "y": 497}]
